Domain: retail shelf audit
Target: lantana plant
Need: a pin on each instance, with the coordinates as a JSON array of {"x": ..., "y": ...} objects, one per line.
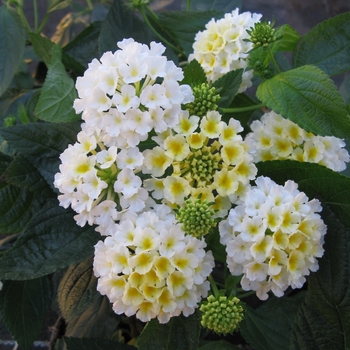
[{"x": 175, "y": 181}]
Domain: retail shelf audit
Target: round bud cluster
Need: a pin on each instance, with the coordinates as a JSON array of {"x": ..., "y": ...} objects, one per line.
[
  {"x": 277, "y": 138},
  {"x": 274, "y": 238},
  {"x": 196, "y": 217},
  {"x": 148, "y": 267},
  {"x": 222, "y": 46},
  {"x": 262, "y": 34},
  {"x": 222, "y": 315},
  {"x": 205, "y": 100}
]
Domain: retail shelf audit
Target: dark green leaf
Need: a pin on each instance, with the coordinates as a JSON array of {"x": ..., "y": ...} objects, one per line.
[
  {"x": 18, "y": 207},
  {"x": 288, "y": 38},
  {"x": 194, "y": 74},
  {"x": 185, "y": 25},
  {"x": 308, "y": 97},
  {"x": 323, "y": 321},
  {"x": 22, "y": 173},
  {"x": 326, "y": 46},
  {"x": 228, "y": 86},
  {"x": 42, "y": 47},
  {"x": 94, "y": 344},
  {"x": 23, "y": 306},
  {"x": 120, "y": 24},
  {"x": 58, "y": 94},
  {"x": 218, "y": 345},
  {"x": 39, "y": 139},
  {"x": 12, "y": 43},
  {"x": 84, "y": 47},
  {"x": 344, "y": 89},
  {"x": 51, "y": 241},
  {"x": 77, "y": 289},
  {"x": 5, "y": 161},
  {"x": 269, "y": 326},
  {"x": 219, "y": 5},
  {"x": 179, "y": 333},
  {"x": 48, "y": 167},
  {"x": 54, "y": 5},
  {"x": 97, "y": 321}
]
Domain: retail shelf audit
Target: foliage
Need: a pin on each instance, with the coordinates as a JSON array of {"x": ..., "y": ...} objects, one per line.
[{"x": 46, "y": 259}]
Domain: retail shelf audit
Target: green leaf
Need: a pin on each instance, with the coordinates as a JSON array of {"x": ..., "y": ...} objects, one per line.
[
  {"x": 94, "y": 344},
  {"x": 194, "y": 74},
  {"x": 23, "y": 306},
  {"x": 39, "y": 139},
  {"x": 228, "y": 86},
  {"x": 220, "y": 5},
  {"x": 218, "y": 345},
  {"x": 344, "y": 89},
  {"x": 179, "y": 333},
  {"x": 308, "y": 97},
  {"x": 5, "y": 161},
  {"x": 22, "y": 173},
  {"x": 58, "y": 94},
  {"x": 185, "y": 25},
  {"x": 288, "y": 38},
  {"x": 120, "y": 24},
  {"x": 12, "y": 43},
  {"x": 18, "y": 207},
  {"x": 97, "y": 321},
  {"x": 323, "y": 321},
  {"x": 84, "y": 47},
  {"x": 77, "y": 289},
  {"x": 326, "y": 46},
  {"x": 269, "y": 326},
  {"x": 42, "y": 47},
  {"x": 54, "y": 5},
  {"x": 51, "y": 241}
]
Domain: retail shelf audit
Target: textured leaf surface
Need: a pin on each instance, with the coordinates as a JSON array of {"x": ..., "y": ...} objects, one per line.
[
  {"x": 122, "y": 24},
  {"x": 23, "y": 306},
  {"x": 55, "y": 104},
  {"x": 51, "y": 241},
  {"x": 94, "y": 344},
  {"x": 12, "y": 42},
  {"x": 269, "y": 326},
  {"x": 323, "y": 321},
  {"x": 179, "y": 333},
  {"x": 326, "y": 46},
  {"x": 194, "y": 74},
  {"x": 37, "y": 139},
  {"x": 77, "y": 289},
  {"x": 308, "y": 97}
]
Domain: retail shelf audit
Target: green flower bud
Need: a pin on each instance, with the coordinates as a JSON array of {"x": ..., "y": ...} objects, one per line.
[
  {"x": 205, "y": 100},
  {"x": 222, "y": 315},
  {"x": 10, "y": 121},
  {"x": 196, "y": 217},
  {"x": 262, "y": 34}
]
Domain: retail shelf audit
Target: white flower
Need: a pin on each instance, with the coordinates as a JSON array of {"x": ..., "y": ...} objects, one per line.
[{"x": 127, "y": 183}]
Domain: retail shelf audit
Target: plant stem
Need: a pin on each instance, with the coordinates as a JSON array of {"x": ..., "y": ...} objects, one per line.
[
  {"x": 21, "y": 15},
  {"x": 273, "y": 59},
  {"x": 35, "y": 3},
  {"x": 213, "y": 286},
  {"x": 242, "y": 109},
  {"x": 42, "y": 25},
  {"x": 188, "y": 5},
  {"x": 244, "y": 295}
]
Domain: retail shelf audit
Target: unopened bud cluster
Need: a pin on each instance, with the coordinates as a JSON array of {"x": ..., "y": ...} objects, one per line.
[
  {"x": 205, "y": 100},
  {"x": 221, "y": 314},
  {"x": 262, "y": 34},
  {"x": 196, "y": 217}
]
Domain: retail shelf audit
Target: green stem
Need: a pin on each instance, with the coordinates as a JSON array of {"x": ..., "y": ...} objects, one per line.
[
  {"x": 244, "y": 295},
  {"x": 188, "y": 5},
  {"x": 21, "y": 15},
  {"x": 145, "y": 18},
  {"x": 242, "y": 109},
  {"x": 42, "y": 25},
  {"x": 214, "y": 286},
  {"x": 35, "y": 3},
  {"x": 273, "y": 59},
  {"x": 90, "y": 6}
]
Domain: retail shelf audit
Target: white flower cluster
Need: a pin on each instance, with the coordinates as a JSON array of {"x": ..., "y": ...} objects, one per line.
[
  {"x": 273, "y": 238},
  {"x": 221, "y": 47},
  {"x": 278, "y": 138},
  {"x": 206, "y": 157},
  {"x": 122, "y": 98},
  {"x": 148, "y": 267}
]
